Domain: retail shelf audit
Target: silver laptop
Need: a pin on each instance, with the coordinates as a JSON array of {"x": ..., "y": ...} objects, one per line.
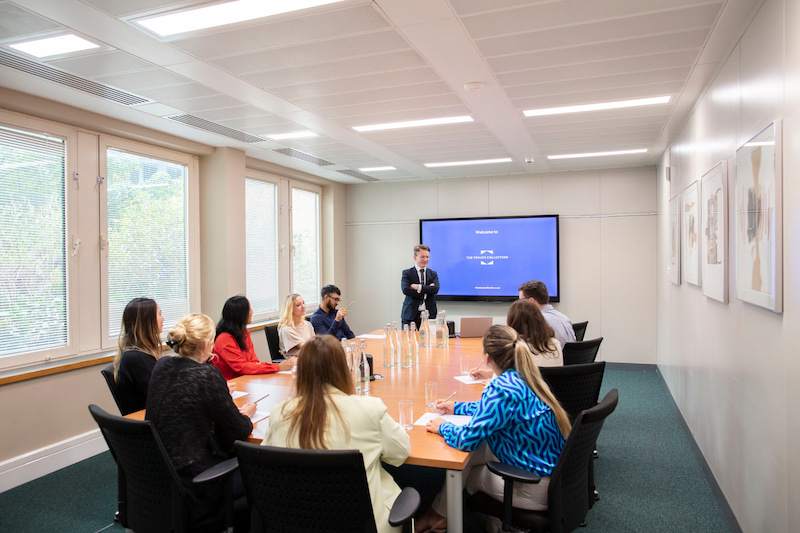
[{"x": 475, "y": 326}]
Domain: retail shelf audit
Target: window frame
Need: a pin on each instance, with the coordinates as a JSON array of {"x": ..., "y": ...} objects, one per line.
[
  {"x": 38, "y": 126},
  {"x": 257, "y": 175},
  {"x": 109, "y": 339},
  {"x": 309, "y": 187}
]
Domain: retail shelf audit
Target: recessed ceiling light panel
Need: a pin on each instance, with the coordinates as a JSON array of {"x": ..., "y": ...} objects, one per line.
[
  {"x": 597, "y": 107},
  {"x": 54, "y": 46},
  {"x": 222, "y": 14},
  {"x": 375, "y": 169},
  {"x": 414, "y": 123},
  {"x": 598, "y": 154},
  {"x": 464, "y": 163}
]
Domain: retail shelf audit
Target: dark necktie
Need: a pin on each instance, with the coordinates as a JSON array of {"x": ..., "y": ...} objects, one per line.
[{"x": 422, "y": 275}]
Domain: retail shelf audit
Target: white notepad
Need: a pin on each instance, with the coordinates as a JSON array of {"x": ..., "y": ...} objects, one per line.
[
  {"x": 459, "y": 420},
  {"x": 467, "y": 380}
]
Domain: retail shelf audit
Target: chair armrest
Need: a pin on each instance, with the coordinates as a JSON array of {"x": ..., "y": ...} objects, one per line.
[
  {"x": 405, "y": 506},
  {"x": 217, "y": 471},
  {"x": 512, "y": 472}
]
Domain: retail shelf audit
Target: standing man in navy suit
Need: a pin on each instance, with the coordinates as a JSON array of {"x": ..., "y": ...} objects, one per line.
[{"x": 420, "y": 285}]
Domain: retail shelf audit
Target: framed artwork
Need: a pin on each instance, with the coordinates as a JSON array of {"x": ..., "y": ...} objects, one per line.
[
  {"x": 714, "y": 232},
  {"x": 690, "y": 231},
  {"x": 674, "y": 266},
  {"x": 759, "y": 220}
]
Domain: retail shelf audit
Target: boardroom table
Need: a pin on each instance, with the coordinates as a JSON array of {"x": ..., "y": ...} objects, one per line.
[{"x": 427, "y": 449}]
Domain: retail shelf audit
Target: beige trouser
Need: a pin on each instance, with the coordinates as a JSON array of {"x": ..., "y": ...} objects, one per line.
[{"x": 478, "y": 478}]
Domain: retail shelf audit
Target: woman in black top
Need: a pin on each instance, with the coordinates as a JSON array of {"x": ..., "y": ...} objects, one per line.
[
  {"x": 191, "y": 408},
  {"x": 139, "y": 349}
]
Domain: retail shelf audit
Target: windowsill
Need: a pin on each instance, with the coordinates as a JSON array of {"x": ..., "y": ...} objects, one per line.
[{"x": 56, "y": 367}]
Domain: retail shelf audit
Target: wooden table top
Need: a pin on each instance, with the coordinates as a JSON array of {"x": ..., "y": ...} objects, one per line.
[{"x": 436, "y": 364}]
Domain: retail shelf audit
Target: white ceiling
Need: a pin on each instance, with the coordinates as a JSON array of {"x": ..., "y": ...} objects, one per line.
[{"x": 364, "y": 62}]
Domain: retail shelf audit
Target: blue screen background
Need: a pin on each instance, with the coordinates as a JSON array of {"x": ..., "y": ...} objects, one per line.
[{"x": 492, "y": 257}]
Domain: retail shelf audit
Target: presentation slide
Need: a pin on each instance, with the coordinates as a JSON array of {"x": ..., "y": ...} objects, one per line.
[{"x": 491, "y": 257}]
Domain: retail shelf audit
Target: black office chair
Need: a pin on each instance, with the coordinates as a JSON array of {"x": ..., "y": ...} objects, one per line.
[
  {"x": 576, "y": 353},
  {"x": 274, "y": 343},
  {"x": 577, "y": 387},
  {"x": 293, "y": 490},
  {"x": 155, "y": 500},
  {"x": 568, "y": 500},
  {"x": 108, "y": 373},
  {"x": 580, "y": 329}
]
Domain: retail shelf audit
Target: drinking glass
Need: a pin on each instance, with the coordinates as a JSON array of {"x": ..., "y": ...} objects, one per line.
[
  {"x": 406, "y": 414},
  {"x": 431, "y": 391},
  {"x": 465, "y": 365}
]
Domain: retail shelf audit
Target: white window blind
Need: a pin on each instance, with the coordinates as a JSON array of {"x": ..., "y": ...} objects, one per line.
[
  {"x": 147, "y": 235},
  {"x": 33, "y": 270},
  {"x": 305, "y": 239},
  {"x": 262, "y": 245}
]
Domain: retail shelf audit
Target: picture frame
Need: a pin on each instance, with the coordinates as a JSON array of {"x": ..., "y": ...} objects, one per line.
[
  {"x": 674, "y": 263},
  {"x": 714, "y": 232},
  {"x": 690, "y": 234},
  {"x": 759, "y": 219}
]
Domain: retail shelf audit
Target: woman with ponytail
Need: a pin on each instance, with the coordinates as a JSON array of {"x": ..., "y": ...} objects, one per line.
[{"x": 517, "y": 421}]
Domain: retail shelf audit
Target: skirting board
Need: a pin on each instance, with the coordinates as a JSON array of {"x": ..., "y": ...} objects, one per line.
[{"x": 32, "y": 465}]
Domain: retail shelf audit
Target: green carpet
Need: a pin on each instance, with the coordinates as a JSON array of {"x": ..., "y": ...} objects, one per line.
[{"x": 648, "y": 474}]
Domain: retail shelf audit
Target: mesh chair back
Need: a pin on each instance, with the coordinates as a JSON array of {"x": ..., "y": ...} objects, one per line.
[
  {"x": 108, "y": 373},
  {"x": 294, "y": 490},
  {"x": 153, "y": 492},
  {"x": 577, "y": 387},
  {"x": 580, "y": 329},
  {"x": 576, "y": 353},
  {"x": 568, "y": 499},
  {"x": 273, "y": 341}
]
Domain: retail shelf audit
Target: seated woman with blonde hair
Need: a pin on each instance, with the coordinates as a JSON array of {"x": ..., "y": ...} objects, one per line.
[
  {"x": 326, "y": 414},
  {"x": 293, "y": 328},
  {"x": 192, "y": 410}
]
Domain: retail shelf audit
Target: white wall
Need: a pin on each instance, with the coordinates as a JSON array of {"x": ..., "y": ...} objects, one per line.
[
  {"x": 733, "y": 368},
  {"x": 607, "y": 241}
]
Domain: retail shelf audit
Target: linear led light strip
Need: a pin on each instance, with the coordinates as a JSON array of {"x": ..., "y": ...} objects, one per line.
[
  {"x": 222, "y": 14},
  {"x": 463, "y": 163},
  {"x": 597, "y": 154},
  {"x": 292, "y": 135},
  {"x": 596, "y": 107},
  {"x": 375, "y": 169},
  {"x": 414, "y": 123}
]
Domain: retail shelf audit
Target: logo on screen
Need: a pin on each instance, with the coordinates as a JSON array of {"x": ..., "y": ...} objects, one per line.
[{"x": 486, "y": 257}]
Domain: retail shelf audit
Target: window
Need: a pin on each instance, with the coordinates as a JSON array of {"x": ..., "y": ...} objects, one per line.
[
  {"x": 147, "y": 235},
  {"x": 305, "y": 244},
  {"x": 262, "y": 246},
  {"x": 33, "y": 228}
]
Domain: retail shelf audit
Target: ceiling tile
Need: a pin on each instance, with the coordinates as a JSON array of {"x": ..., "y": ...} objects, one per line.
[
  {"x": 104, "y": 64},
  {"x": 177, "y": 92},
  {"x": 143, "y": 79},
  {"x": 312, "y": 53},
  {"x": 119, "y": 8},
  {"x": 357, "y": 83},
  {"x": 17, "y": 22}
]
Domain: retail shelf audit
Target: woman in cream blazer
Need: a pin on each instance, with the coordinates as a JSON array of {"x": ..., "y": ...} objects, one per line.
[{"x": 326, "y": 414}]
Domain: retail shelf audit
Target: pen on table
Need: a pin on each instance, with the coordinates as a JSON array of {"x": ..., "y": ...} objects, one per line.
[{"x": 260, "y": 398}]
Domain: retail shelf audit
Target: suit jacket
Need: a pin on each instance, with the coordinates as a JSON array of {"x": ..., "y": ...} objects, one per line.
[
  {"x": 410, "y": 312},
  {"x": 371, "y": 431}
]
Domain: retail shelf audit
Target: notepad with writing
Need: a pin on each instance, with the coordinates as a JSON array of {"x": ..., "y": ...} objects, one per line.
[{"x": 459, "y": 420}]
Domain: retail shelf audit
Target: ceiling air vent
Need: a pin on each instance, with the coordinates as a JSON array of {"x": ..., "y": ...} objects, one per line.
[
  {"x": 302, "y": 156},
  {"x": 213, "y": 127},
  {"x": 70, "y": 80},
  {"x": 357, "y": 174}
]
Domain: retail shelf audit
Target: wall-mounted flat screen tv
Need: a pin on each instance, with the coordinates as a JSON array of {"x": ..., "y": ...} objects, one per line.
[{"x": 487, "y": 259}]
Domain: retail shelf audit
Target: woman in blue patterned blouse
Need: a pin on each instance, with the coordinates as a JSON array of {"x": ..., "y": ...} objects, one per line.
[{"x": 517, "y": 421}]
